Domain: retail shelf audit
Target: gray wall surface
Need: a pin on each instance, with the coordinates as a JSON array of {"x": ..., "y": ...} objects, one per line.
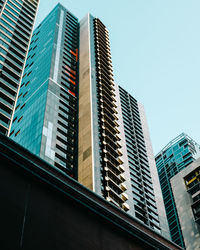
[{"x": 183, "y": 200}]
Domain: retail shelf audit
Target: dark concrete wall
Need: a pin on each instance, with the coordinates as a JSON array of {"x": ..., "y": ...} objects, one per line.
[
  {"x": 34, "y": 215},
  {"x": 41, "y": 208}
]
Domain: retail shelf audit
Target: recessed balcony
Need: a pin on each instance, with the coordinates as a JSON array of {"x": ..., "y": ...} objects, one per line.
[
  {"x": 124, "y": 196},
  {"x": 123, "y": 187},
  {"x": 125, "y": 206}
]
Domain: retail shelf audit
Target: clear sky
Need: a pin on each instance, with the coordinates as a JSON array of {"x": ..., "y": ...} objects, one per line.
[{"x": 155, "y": 46}]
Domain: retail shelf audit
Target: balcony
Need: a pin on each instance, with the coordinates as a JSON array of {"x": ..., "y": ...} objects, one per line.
[
  {"x": 125, "y": 206},
  {"x": 113, "y": 168},
  {"x": 192, "y": 190},
  {"x": 109, "y": 102},
  {"x": 196, "y": 211},
  {"x": 111, "y": 150},
  {"x": 114, "y": 174}
]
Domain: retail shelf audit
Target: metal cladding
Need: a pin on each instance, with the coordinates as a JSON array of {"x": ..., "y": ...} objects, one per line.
[{"x": 112, "y": 172}]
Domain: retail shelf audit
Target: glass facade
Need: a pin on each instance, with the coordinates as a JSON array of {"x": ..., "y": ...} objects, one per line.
[
  {"x": 177, "y": 155},
  {"x": 16, "y": 24},
  {"x": 45, "y": 120}
]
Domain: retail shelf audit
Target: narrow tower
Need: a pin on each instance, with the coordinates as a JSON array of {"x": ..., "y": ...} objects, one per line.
[
  {"x": 100, "y": 163},
  {"x": 145, "y": 193}
]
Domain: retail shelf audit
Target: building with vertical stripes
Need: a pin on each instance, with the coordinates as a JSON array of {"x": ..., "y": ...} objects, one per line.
[
  {"x": 144, "y": 188},
  {"x": 16, "y": 24},
  {"x": 100, "y": 158}
]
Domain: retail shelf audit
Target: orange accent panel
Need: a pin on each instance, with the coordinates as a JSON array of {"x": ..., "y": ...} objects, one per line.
[
  {"x": 72, "y": 52},
  {"x": 70, "y": 75},
  {"x": 68, "y": 68},
  {"x": 72, "y": 93},
  {"x": 75, "y": 54},
  {"x": 72, "y": 81}
]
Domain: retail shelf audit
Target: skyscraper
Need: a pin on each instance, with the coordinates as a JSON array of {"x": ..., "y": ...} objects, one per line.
[
  {"x": 68, "y": 113},
  {"x": 100, "y": 163},
  {"x": 16, "y": 24},
  {"x": 146, "y": 196},
  {"x": 177, "y": 155},
  {"x": 45, "y": 120},
  {"x": 103, "y": 164}
]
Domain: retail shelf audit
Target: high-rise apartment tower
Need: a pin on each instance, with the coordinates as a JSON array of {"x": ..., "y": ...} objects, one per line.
[
  {"x": 45, "y": 120},
  {"x": 145, "y": 192},
  {"x": 16, "y": 24},
  {"x": 177, "y": 155},
  {"x": 100, "y": 164},
  {"x": 103, "y": 164}
]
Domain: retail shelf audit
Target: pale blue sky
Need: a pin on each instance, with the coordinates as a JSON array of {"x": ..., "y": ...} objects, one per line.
[{"x": 155, "y": 46}]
